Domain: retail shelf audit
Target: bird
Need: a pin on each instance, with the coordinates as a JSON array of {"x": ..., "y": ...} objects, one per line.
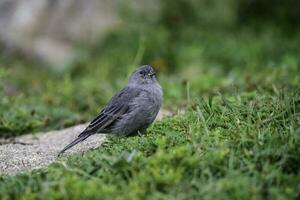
[{"x": 131, "y": 111}]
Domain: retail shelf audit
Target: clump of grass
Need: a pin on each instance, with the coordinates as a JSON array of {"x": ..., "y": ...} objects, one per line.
[
  {"x": 227, "y": 146},
  {"x": 43, "y": 100}
]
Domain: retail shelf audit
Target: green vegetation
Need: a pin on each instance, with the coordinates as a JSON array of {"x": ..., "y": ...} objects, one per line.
[
  {"x": 236, "y": 147},
  {"x": 36, "y": 99},
  {"x": 237, "y": 82}
]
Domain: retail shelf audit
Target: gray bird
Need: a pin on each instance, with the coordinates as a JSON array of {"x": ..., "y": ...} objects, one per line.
[{"x": 130, "y": 111}]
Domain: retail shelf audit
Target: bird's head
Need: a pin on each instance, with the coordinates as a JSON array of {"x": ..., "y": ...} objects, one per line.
[{"x": 143, "y": 75}]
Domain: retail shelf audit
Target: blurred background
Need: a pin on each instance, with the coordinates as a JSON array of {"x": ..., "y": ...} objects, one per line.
[{"x": 61, "y": 60}]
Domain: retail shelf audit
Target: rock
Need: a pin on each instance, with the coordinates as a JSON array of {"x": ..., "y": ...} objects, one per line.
[
  {"x": 36, "y": 150},
  {"x": 33, "y": 151},
  {"x": 48, "y": 30}
]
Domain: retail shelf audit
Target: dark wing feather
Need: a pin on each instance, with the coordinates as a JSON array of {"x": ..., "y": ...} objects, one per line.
[{"x": 115, "y": 108}]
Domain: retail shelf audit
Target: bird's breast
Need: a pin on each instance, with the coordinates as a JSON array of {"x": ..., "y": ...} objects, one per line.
[
  {"x": 152, "y": 100},
  {"x": 142, "y": 111}
]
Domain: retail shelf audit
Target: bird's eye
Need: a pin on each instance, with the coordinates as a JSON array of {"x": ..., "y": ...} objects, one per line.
[{"x": 141, "y": 73}]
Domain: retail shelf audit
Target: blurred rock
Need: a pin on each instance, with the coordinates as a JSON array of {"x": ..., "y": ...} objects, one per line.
[{"x": 47, "y": 30}]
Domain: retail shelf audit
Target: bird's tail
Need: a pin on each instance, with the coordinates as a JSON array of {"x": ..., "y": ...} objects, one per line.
[{"x": 73, "y": 143}]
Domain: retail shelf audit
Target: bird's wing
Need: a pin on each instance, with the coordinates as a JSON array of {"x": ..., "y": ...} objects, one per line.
[{"x": 115, "y": 108}]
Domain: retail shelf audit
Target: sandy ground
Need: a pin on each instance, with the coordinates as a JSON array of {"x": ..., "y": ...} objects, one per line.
[{"x": 32, "y": 151}]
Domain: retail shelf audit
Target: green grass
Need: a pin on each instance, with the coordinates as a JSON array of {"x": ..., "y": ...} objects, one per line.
[
  {"x": 242, "y": 146},
  {"x": 204, "y": 63}
]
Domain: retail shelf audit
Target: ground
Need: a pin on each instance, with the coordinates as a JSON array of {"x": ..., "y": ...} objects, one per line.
[{"x": 238, "y": 137}]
